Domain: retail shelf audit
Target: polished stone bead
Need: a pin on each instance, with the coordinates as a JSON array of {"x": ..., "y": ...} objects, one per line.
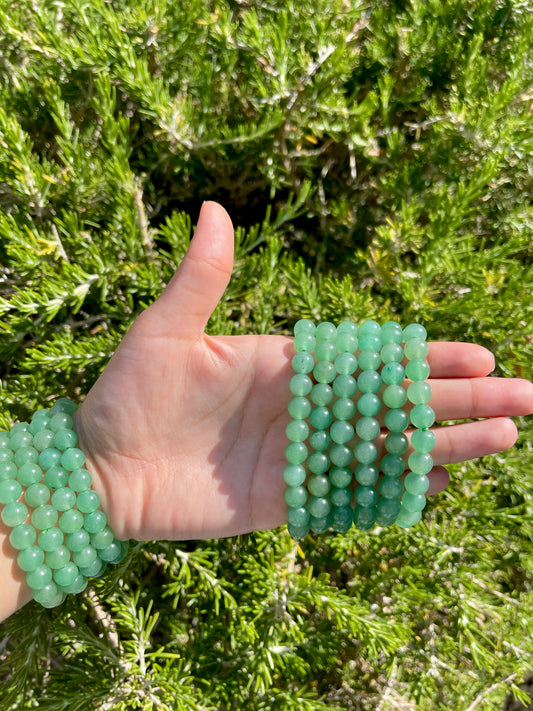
[
  {"x": 368, "y": 405},
  {"x": 396, "y": 443},
  {"x": 71, "y": 521},
  {"x": 40, "y": 423},
  {"x": 38, "y": 414},
  {"x": 367, "y": 428},
  {"x": 391, "y": 332},
  {"x": 340, "y": 477},
  {"x": 364, "y": 517},
  {"x": 325, "y": 351},
  {"x": 56, "y": 478},
  {"x": 51, "y": 457},
  {"x": 321, "y": 418},
  {"x": 95, "y": 569},
  {"x": 50, "y": 539},
  {"x": 303, "y": 363},
  {"x": 345, "y": 364},
  {"x": 304, "y": 325},
  {"x": 319, "y": 525},
  {"x": 387, "y": 510},
  {"x": 72, "y": 459},
  {"x": 30, "y": 473},
  {"x": 43, "y": 439},
  {"x": 341, "y": 518},
  {"x": 369, "y": 343},
  {"x": 422, "y": 416},
  {"x": 14, "y": 513},
  {"x": 61, "y": 421},
  {"x": 6, "y": 455},
  {"x": 342, "y": 432},
  {"x": 81, "y": 480},
  {"x": 340, "y": 497},
  {"x": 111, "y": 552},
  {"x": 30, "y": 558},
  {"x": 416, "y": 348},
  {"x": 416, "y": 483},
  {"x": 318, "y": 506},
  {"x": 46, "y": 594},
  {"x": 394, "y": 396},
  {"x": 26, "y": 454},
  {"x": 297, "y": 431},
  {"x": 413, "y": 502},
  {"x": 423, "y": 440},
  {"x": 318, "y": 485},
  {"x": 344, "y": 408},
  {"x": 393, "y": 374},
  {"x": 417, "y": 369},
  {"x": 37, "y": 495},
  {"x": 347, "y": 327},
  {"x": 369, "y": 381},
  {"x": 63, "y": 405},
  {"x": 22, "y": 536},
  {"x": 102, "y": 539},
  {"x": 299, "y": 408},
  {"x": 391, "y": 353},
  {"x": 298, "y": 516},
  {"x": 78, "y": 540},
  {"x": 297, "y": 531},
  {"x": 78, "y": 586},
  {"x": 95, "y": 522},
  {"x": 392, "y": 465},
  {"x": 58, "y": 557},
  {"x": 369, "y": 360},
  {"x": 19, "y": 427},
  {"x": 66, "y": 575},
  {"x": 296, "y": 453},
  {"x": 295, "y": 496},
  {"x": 344, "y": 386},
  {"x": 65, "y": 439},
  {"x": 340, "y": 455},
  {"x": 326, "y": 331},
  {"x": 322, "y": 394},
  {"x": 366, "y": 474},
  {"x": 304, "y": 343},
  {"x": 324, "y": 372},
  {"x": 4, "y": 439},
  {"x": 420, "y": 462},
  {"x": 366, "y": 496},
  {"x": 320, "y": 440},
  {"x": 64, "y": 499},
  {"x": 419, "y": 393},
  {"x": 414, "y": 330},
  {"x": 10, "y": 491},
  {"x": 44, "y": 517},
  {"x": 369, "y": 327},
  {"x": 396, "y": 420},
  {"x": 318, "y": 463},
  {"x": 300, "y": 384},
  {"x": 8, "y": 470},
  {"x": 406, "y": 519},
  {"x": 86, "y": 556},
  {"x": 390, "y": 487},
  {"x": 294, "y": 474},
  {"x": 365, "y": 452},
  {"x": 347, "y": 343},
  {"x": 22, "y": 438},
  {"x": 39, "y": 577}
]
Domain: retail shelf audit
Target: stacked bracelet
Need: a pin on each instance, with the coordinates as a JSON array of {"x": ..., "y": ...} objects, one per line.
[
  {"x": 340, "y": 371},
  {"x": 66, "y": 539}
]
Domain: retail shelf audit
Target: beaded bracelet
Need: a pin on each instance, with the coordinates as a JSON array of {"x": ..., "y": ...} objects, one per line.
[
  {"x": 40, "y": 460},
  {"x": 327, "y": 371}
]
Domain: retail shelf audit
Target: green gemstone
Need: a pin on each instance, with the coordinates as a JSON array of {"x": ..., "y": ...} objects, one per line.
[
  {"x": 321, "y": 418},
  {"x": 414, "y": 330},
  {"x": 369, "y": 381},
  {"x": 304, "y": 343},
  {"x": 95, "y": 522},
  {"x": 318, "y": 485},
  {"x": 14, "y": 513},
  {"x": 318, "y": 463},
  {"x": 95, "y": 569},
  {"x": 368, "y": 405},
  {"x": 369, "y": 360},
  {"x": 387, "y": 510},
  {"x": 65, "y": 439},
  {"x": 320, "y": 440},
  {"x": 422, "y": 416},
  {"x": 295, "y": 496},
  {"x": 369, "y": 327},
  {"x": 341, "y": 477},
  {"x": 392, "y": 465},
  {"x": 416, "y": 348},
  {"x": 366, "y": 474},
  {"x": 72, "y": 459},
  {"x": 38, "y": 414},
  {"x": 78, "y": 540},
  {"x": 340, "y": 497},
  {"x": 365, "y": 452},
  {"x": 63, "y": 499},
  {"x": 318, "y": 506},
  {"x": 321, "y": 394},
  {"x": 394, "y": 396},
  {"x": 61, "y": 421},
  {"x": 66, "y": 575},
  {"x": 22, "y": 438},
  {"x": 26, "y": 454},
  {"x": 367, "y": 428},
  {"x": 56, "y": 478},
  {"x": 364, "y": 517},
  {"x": 30, "y": 473},
  {"x": 346, "y": 343},
  {"x": 300, "y": 385},
  {"x": 294, "y": 474},
  {"x": 417, "y": 369},
  {"x": 102, "y": 539},
  {"x": 406, "y": 519},
  {"x": 393, "y": 374},
  {"x": 86, "y": 556},
  {"x": 344, "y": 408},
  {"x": 423, "y": 440},
  {"x": 390, "y": 487},
  {"x": 419, "y": 393},
  {"x": 391, "y": 332},
  {"x": 19, "y": 427},
  {"x": 44, "y": 516},
  {"x": 396, "y": 420},
  {"x": 58, "y": 558},
  {"x": 111, "y": 552},
  {"x": 47, "y": 594},
  {"x": 303, "y": 363},
  {"x": 326, "y": 331},
  {"x": 6, "y": 455},
  {"x": 391, "y": 353},
  {"x": 39, "y": 577},
  {"x": 347, "y": 327},
  {"x": 22, "y": 536},
  {"x": 78, "y": 586},
  {"x": 396, "y": 443},
  {"x": 37, "y": 495},
  {"x": 8, "y": 470},
  {"x": 81, "y": 480},
  {"x": 366, "y": 496},
  {"x": 341, "y": 432},
  {"x": 297, "y": 431},
  {"x": 369, "y": 343},
  {"x": 296, "y": 453},
  {"x": 297, "y": 532},
  {"x": 10, "y": 491},
  {"x": 304, "y": 325},
  {"x": 43, "y": 439},
  {"x": 298, "y": 516},
  {"x": 4, "y": 439},
  {"x": 413, "y": 502},
  {"x": 344, "y": 386},
  {"x": 325, "y": 351},
  {"x": 416, "y": 483},
  {"x": 50, "y": 457},
  {"x": 340, "y": 455},
  {"x": 30, "y": 558},
  {"x": 50, "y": 539},
  {"x": 345, "y": 364},
  {"x": 39, "y": 424},
  {"x": 319, "y": 525},
  {"x": 324, "y": 372},
  {"x": 341, "y": 518},
  {"x": 299, "y": 409},
  {"x": 63, "y": 405},
  {"x": 420, "y": 462},
  {"x": 71, "y": 521}
]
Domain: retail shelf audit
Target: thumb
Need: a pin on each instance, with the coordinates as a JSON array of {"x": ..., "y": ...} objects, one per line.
[{"x": 194, "y": 291}]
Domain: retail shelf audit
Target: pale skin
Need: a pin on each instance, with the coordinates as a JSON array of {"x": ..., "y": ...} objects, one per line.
[{"x": 184, "y": 433}]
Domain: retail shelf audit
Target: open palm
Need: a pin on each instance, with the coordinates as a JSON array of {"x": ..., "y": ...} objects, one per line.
[{"x": 185, "y": 433}]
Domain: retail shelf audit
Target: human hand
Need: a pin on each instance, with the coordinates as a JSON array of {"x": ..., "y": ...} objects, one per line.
[{"x": 184, "y": 433}]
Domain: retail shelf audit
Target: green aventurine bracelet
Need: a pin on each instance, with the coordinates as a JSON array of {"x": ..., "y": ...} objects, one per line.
[
  {"x": 328, "y": 375},
  {"x": 66, "y": 539}
]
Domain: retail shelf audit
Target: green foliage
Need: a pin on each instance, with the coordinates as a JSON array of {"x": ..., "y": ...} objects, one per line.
[{"x": 376, "y": 160}]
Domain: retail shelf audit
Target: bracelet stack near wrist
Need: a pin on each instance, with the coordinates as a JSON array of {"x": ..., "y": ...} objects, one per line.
[
  {"x": 330, "y": 385},
  {"x": 59, "y": 530}
]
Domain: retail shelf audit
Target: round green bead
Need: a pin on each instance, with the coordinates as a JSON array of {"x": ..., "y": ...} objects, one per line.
[
  {"x": 387, "y": 510},
  {"x": 8, "y": 470},
  {"x": 293, "y": 474},
  {"x": 297, "y": 431},
  {"x": 419, "y": 393},
  {"x": 393, "y": 374},
  {"x": 366, "y": 474},
  {"x": 44, "y": 516},
  {"x": 124, "y": 548},
  {"x": 47, "y": 594},
  {"x": 340, "y": 477},
  {"x": 396, "y": 443},
  {"x": 86, "y": 556},
  {"x": 340, "y": 497},
  {"x": 95, "y": 521},
  {"x": 71, "y": 521},
  {"x": 325, "y": 331},
  {"x": 423, "y": 440},
  {"x": 58, "y": 557},
  {"x": 340, "y": 455},
  {"x": 37, "y": 495},
  {"x": 365, "y": 452},
  {"x": 14, "y": 513},
  {"x": 344, "y": 408},
  {"x": 320, "y": 440},
  {"x": 63, "y": 405},
  {"x": 364, "y": 517},
  {"x": 303, "y": 363},
  {"x": 367, "y": 428},
  {"x": 78, "y": 540},
  {"x": 95, "y": 569},
  {"x": 50, "y": 457},
  {"x": 392, "y": 465},
  {"x": 321, "y": 394},
  {"x": 22, "y": 536},
  {"x": 391, "y": 353},
  {"x": 81, "y": 480},
  {"x": 20, "y": 439},
  {"x": 347, "y": 327},
  {"x": 319, "y": 525},
  {"x": 304, "y": 343},
  {"x": 413, "y": 502},
  {"x": 300, "y": 384},
  {"x": 416, "y": 348},
  {"x": 394, "y": 396},
  {"x": 369, "y": 360},
  {"x": 345, "y": 364},
  {"x": 39, "y": 424},
  {"x": 369, "y": 327},
  {"x": 341, "y": 518},
  {"x": 318, "y": 463},
  {"x": 318, "y": 485},
  {"x": 416, "y": 483},
  {"x": 6, "y": 455},
  {"x": 321, "y": 418},
  {"x": 406, "y": 519},
  {"x": 391, "y": 332},
  {"x": 296, "y": 453},
  {"x": 19, "y": 427},
  {"x": 295, "y": 496},
  {"x": 304, "y": 325},
  {"x": 299, "y": 409},
  {"x": 347, "y": 343},
  {"x": 414, "y": 330},
  {"x": 341, "y": 432},
  {"x": 10, "y": 490},
  {"x": 298, "y": 516},
  {"x": 61, "y": 421},
  {"x": 422, "y": 416},
  {"x": 417, "y": 369},
  {"x": 39, "y": 577},
  {"x": 25, "y": 455},
  {"x": 318, "y": 506},
  {"x": 369, "y": 381},
  {"x": 366, "y": 496},
  {"x": 30, "y": 473},
  {"x": 110, "y": 553},
  {"x": 78, "y": 586},
  {"x": 66, "y": 575},
  {"x": 396, "y": 420},
  {"x": 65, "y": 439},
  {"x": 390, "y": 487},
  {"x": 369, "y": 343},
  {"x": 30, "y": 558},
  {"x": 325, "y": 351},
  {"x": 368, "y": 405},
  {"x": 420, "y": 462},
  {"x": 50, "y": 539},
  {"x": 102, "y": 539},
  {"x": 43, "y": 439},
  {"x": 324, "y": 372},
  {"x": 63, "y": 499},
  {"x": 344, "y": 386},
  {"x": 297, "y": 532},
  {"x": 72, "y": 459},
  {"x": 40, "y": 413},
  {"x": 4, "y": 439}
]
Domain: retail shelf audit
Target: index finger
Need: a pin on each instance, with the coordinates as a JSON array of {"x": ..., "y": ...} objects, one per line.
[{"x": 459, "y": 360}]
